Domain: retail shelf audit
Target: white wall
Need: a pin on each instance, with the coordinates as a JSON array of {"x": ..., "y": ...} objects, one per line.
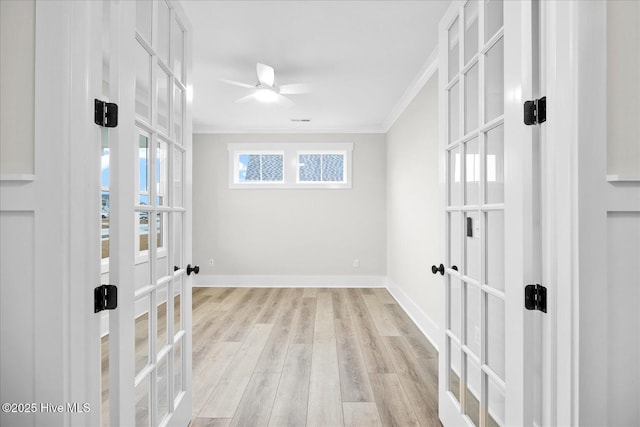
[
  {"x": 623, "y": 88},
  {"x": 623, "y": 214},
  {"x": 17, "y": 85},
  {"x": 413, "y": 211},
  {"x": 289, "y": 232}
]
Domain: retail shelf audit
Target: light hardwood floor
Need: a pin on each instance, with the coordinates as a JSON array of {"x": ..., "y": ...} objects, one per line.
[
  {"x": 306, "y": 357},
  {"x": 309, "y": 357}
]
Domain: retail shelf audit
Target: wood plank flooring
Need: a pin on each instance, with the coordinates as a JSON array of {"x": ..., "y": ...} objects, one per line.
[{"x": 309, "y": 357}]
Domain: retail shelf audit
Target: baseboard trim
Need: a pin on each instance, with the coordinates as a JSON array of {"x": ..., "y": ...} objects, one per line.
[
  {"x": 288, "y": 281},
  {"x": 428, "y": 327}
]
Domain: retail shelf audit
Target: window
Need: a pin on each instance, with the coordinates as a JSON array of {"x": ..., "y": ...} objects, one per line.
[
  {"x": 256, "y": 168},
  {"x": 290, "y": 165},
  {"x": 321, "y": 167}
]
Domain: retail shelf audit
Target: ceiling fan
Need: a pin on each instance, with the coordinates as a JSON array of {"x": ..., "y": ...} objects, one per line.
[{"x": 266, "y": 89}]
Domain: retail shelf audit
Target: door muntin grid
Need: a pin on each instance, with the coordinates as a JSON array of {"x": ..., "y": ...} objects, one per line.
[
  {"x": 159, "y": 296},
  {"x": 475, "y": 323}
]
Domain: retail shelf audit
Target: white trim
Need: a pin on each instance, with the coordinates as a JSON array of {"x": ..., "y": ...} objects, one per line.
[
  {"x": 26, "y": 177},
  {"x": 289, "y": 151},
  {"x": 287, "y": 131},
  {"x": 623, "y": 178},
  {"x": 290, "y": 281},
  {"x": 426, "y": 72},
  {"x": 427, "y": 326}
]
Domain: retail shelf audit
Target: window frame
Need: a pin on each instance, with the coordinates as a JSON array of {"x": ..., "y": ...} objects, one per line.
[{"x": 291, "y": 167}]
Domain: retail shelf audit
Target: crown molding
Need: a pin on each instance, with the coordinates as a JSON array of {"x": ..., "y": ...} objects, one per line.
[{"x": 428, "y": 69}]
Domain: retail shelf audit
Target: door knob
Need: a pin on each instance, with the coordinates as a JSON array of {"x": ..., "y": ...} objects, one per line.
[
  {"x": 439, "y": 269},
  {"x": 195, "y": 269}
]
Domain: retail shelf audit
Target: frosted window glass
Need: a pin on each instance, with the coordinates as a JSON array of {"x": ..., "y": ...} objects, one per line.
[
  {"x": 260, "y": 167},
  {"x": 321, "y": 167}
]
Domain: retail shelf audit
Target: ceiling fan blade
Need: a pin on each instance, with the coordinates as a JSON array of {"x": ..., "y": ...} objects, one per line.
[
  {"x": 247, "y": 98},
  {"x": 235, "y": 83},
  {"x": 284, "y": 101},
  {"x": 295, "y": 89},
  {"x": 266, "y": 74}
]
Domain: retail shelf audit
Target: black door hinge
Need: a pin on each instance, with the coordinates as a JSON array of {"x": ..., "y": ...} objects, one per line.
[
  {"x": 105, "y": 297},
  {"x": 105, "y": 114},
  {"x": 535, "y": 112},
  {"x": 535, "y": 298}
]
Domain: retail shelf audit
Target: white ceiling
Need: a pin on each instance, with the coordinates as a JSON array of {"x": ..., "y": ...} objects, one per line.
[{"x": 359, "y": 57}]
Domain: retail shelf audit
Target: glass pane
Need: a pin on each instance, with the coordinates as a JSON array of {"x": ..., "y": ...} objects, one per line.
[
  {"x": 143, "y": 19},
  {"x": 104, "y": 359},
  {"x": 143, "y": 83},
  {"x": 495, "y": 403},
  {"x": 142, "y": 337},
  {"x": 104, "y": 227},
  {"x": 143, "y": 267},
  {"x": 454, "y": 177},
  {"x": 143, "y": 404},
  {"x": 177, "y": 305},
  {"x": 470, "y": 30},
  {"x": 162, "y": 319},
  {"x": 472, "y": 392},
  {"x": 454, "y": 113},
  {"x": 495, "y": 335},
  {"x": 472, "y": 172},
  {"x": 472, "y": 245},
  {"x": 494, "y": 81},
  {"x": 455, "y": 239},
  {"x": 332, "y": 167},
  {"x": 494, "y": 165},
  {"x": 164, "y": 82},
  {"x": 309, "y": 167},
  {"x": 471, "y": 100},
  {"x": 178, "y": 386},
  {"x": 178, "y": 180},
  {"x": 272, "y": 167},
  {"x": 454, "y": 306},
  {"x": 492, "y": 17},
  {"x": 143, "y": 220},
  {"x": 104, "y": 194},
  {"x": 143, "y": 169},
  {"x": 163, "y": 31},
  {"x": 163, "y": 387},
  {"x": 162, "y": 260},
  {"x": 454, "y": 368},
  {"x": 177, "y": 240},
  {"x": 178, "y": 103},
  {"x": 162, "y": 174},
  {"x": 474, "y": 337},
  {"x": 106, "y": 48},
  {"x": 495, "y": 249},
  {"x": 104, "y": 159},
  {"x": 453, "y": 50},
  {"x": 178, "y": 49}
]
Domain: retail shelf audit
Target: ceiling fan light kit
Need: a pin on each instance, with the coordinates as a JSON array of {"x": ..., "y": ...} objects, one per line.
[{"x": 266, "y": 91}]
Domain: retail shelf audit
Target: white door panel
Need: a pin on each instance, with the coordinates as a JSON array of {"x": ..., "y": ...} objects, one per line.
[
  {"x": 149, "y": 218},
  {"x": 485, "y": 190}
]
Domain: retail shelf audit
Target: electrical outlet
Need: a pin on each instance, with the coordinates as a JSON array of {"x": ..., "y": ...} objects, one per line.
[
  {"x": 211, "y": 262},
  {"x": 356, "y": 263}
]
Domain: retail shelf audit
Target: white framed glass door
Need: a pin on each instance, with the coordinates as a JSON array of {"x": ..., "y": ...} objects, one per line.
[
  {"x": 482, "y": 357},
  {"x": 149, "y": 213}
]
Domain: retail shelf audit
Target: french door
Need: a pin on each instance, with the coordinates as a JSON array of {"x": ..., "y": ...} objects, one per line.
[
  {"x": 146, "y": 71},
  {"x": 485, "y": 168}
]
